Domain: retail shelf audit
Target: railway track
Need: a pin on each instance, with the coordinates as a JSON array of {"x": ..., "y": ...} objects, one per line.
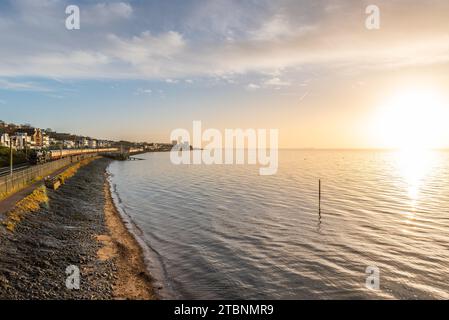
[
  {"x": 56, "y": 155},
  {"x": 6, "y": 170}
]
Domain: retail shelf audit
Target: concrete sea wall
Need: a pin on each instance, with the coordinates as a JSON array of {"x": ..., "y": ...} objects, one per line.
[{"x": 20, "y": 179}]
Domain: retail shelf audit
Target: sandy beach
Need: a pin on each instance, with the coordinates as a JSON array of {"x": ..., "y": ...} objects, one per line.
[
  {"x": 78, "y": 226},
  {"x": 133, "y": 280}
]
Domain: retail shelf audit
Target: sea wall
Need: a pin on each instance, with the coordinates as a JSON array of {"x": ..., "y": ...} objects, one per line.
[{"x": 20, "y": 179}]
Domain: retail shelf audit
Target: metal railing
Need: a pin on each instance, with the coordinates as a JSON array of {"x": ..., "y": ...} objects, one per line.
[{"x": 20, "y": 179}]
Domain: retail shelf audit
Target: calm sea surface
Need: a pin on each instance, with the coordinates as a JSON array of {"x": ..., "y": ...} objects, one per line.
[{"x": 225, "y": 232}]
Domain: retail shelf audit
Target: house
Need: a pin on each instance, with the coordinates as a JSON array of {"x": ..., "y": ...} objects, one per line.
[
  {"x": 5, "y": 139},
  {"x": 81, "y": 142},
  {"x": 92, "y": 143},
  {"x": 53, "y": 142},
  {"x": 103, "y": 144},
  {"x": 69, "y": 144},
  {"x": 21, "y": 141},
  {"x": 45, "y": 141},
  {"x": 32, "y": 137},
  {"x": 78, "y": 142}
]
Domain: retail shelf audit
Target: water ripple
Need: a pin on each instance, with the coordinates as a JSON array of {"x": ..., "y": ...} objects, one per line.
[{"x": 226, "y": 232}]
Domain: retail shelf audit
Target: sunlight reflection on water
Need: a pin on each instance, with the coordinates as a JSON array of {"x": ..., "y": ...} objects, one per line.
[{"x": 226, "y": 232}]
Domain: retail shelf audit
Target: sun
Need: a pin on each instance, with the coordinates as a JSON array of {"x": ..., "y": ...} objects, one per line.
[{"x": 413, "y": 119}]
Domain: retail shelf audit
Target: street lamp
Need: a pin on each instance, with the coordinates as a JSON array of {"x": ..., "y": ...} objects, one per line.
[{"x": 10, "y": 159}]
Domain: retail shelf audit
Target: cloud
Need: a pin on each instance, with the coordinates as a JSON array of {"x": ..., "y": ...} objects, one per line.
[
  {"x": 104, "y": 13},
  {"x": 141, "y": 50},
  {"x": 195, "y": 41},
  {"x": 80, "y": 58},
  {"x": 277, "y": 28},
  {"x": 25, "y": 6},
  {"x": 277, "y": 82},
  {"x": 56, "y": 96},
  {"x": 22, "y": 86},
  {"x": 142, "y": 91},
  {"x": 252, "y": 87}
]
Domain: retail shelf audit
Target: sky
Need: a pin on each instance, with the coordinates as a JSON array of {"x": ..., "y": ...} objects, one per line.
[{"x": 137, "y": 70}]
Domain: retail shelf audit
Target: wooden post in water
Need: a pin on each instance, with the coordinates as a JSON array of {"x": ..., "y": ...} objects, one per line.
[
  {"x": 319, "y": 195},
  {"x": 319, "y": 205}
]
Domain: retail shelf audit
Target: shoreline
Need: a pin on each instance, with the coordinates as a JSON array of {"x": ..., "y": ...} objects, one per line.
[
  {"x": 134, "y": 281},
  {"x": 77, "y": 226}
]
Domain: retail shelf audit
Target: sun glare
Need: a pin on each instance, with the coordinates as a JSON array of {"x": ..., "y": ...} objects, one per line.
[
  {"x": 414, "y": 166},
  {"x": 413, "y": 120}
]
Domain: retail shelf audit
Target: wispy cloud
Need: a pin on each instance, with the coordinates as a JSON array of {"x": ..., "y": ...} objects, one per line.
[
  {"x": 22, "y": 86},
  {"x": 277, "y": 82},
  {"x": 105, "y": 13},
  {"x": 252, "y": 87},
  {"x": 171, "y": 81},
  {"x": 142, "y": 91},
  {"x": 195, "y": 42}
]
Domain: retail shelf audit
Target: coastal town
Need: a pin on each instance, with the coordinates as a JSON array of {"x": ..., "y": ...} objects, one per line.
[
  {"x": 76, "y": 164},
  {"x": 23, "y": 139}
]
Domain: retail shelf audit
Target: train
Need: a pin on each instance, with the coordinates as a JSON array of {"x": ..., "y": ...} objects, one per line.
[{"x": 43, "y": 156}]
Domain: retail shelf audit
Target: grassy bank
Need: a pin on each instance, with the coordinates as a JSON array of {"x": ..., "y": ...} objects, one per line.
[
  {"x": 38, "y": 197},
  {"x": 29, "y": 204}
]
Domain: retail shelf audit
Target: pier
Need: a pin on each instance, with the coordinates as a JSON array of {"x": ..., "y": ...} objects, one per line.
[{"x": 125, "y": 154}]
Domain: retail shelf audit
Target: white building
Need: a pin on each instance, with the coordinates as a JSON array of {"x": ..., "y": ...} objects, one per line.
[
  {"x": 19, "y": 141},
  {"x": 22, "y": 140},
  {"x": 69, "y": 144},
  {"x": 45, "y": 141},
  {"x": 92, "y": 144},
  {"x": 82, "y": 142},
  {"x": 103, "y": 144},
  {"x": 5, "y": 140}
]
